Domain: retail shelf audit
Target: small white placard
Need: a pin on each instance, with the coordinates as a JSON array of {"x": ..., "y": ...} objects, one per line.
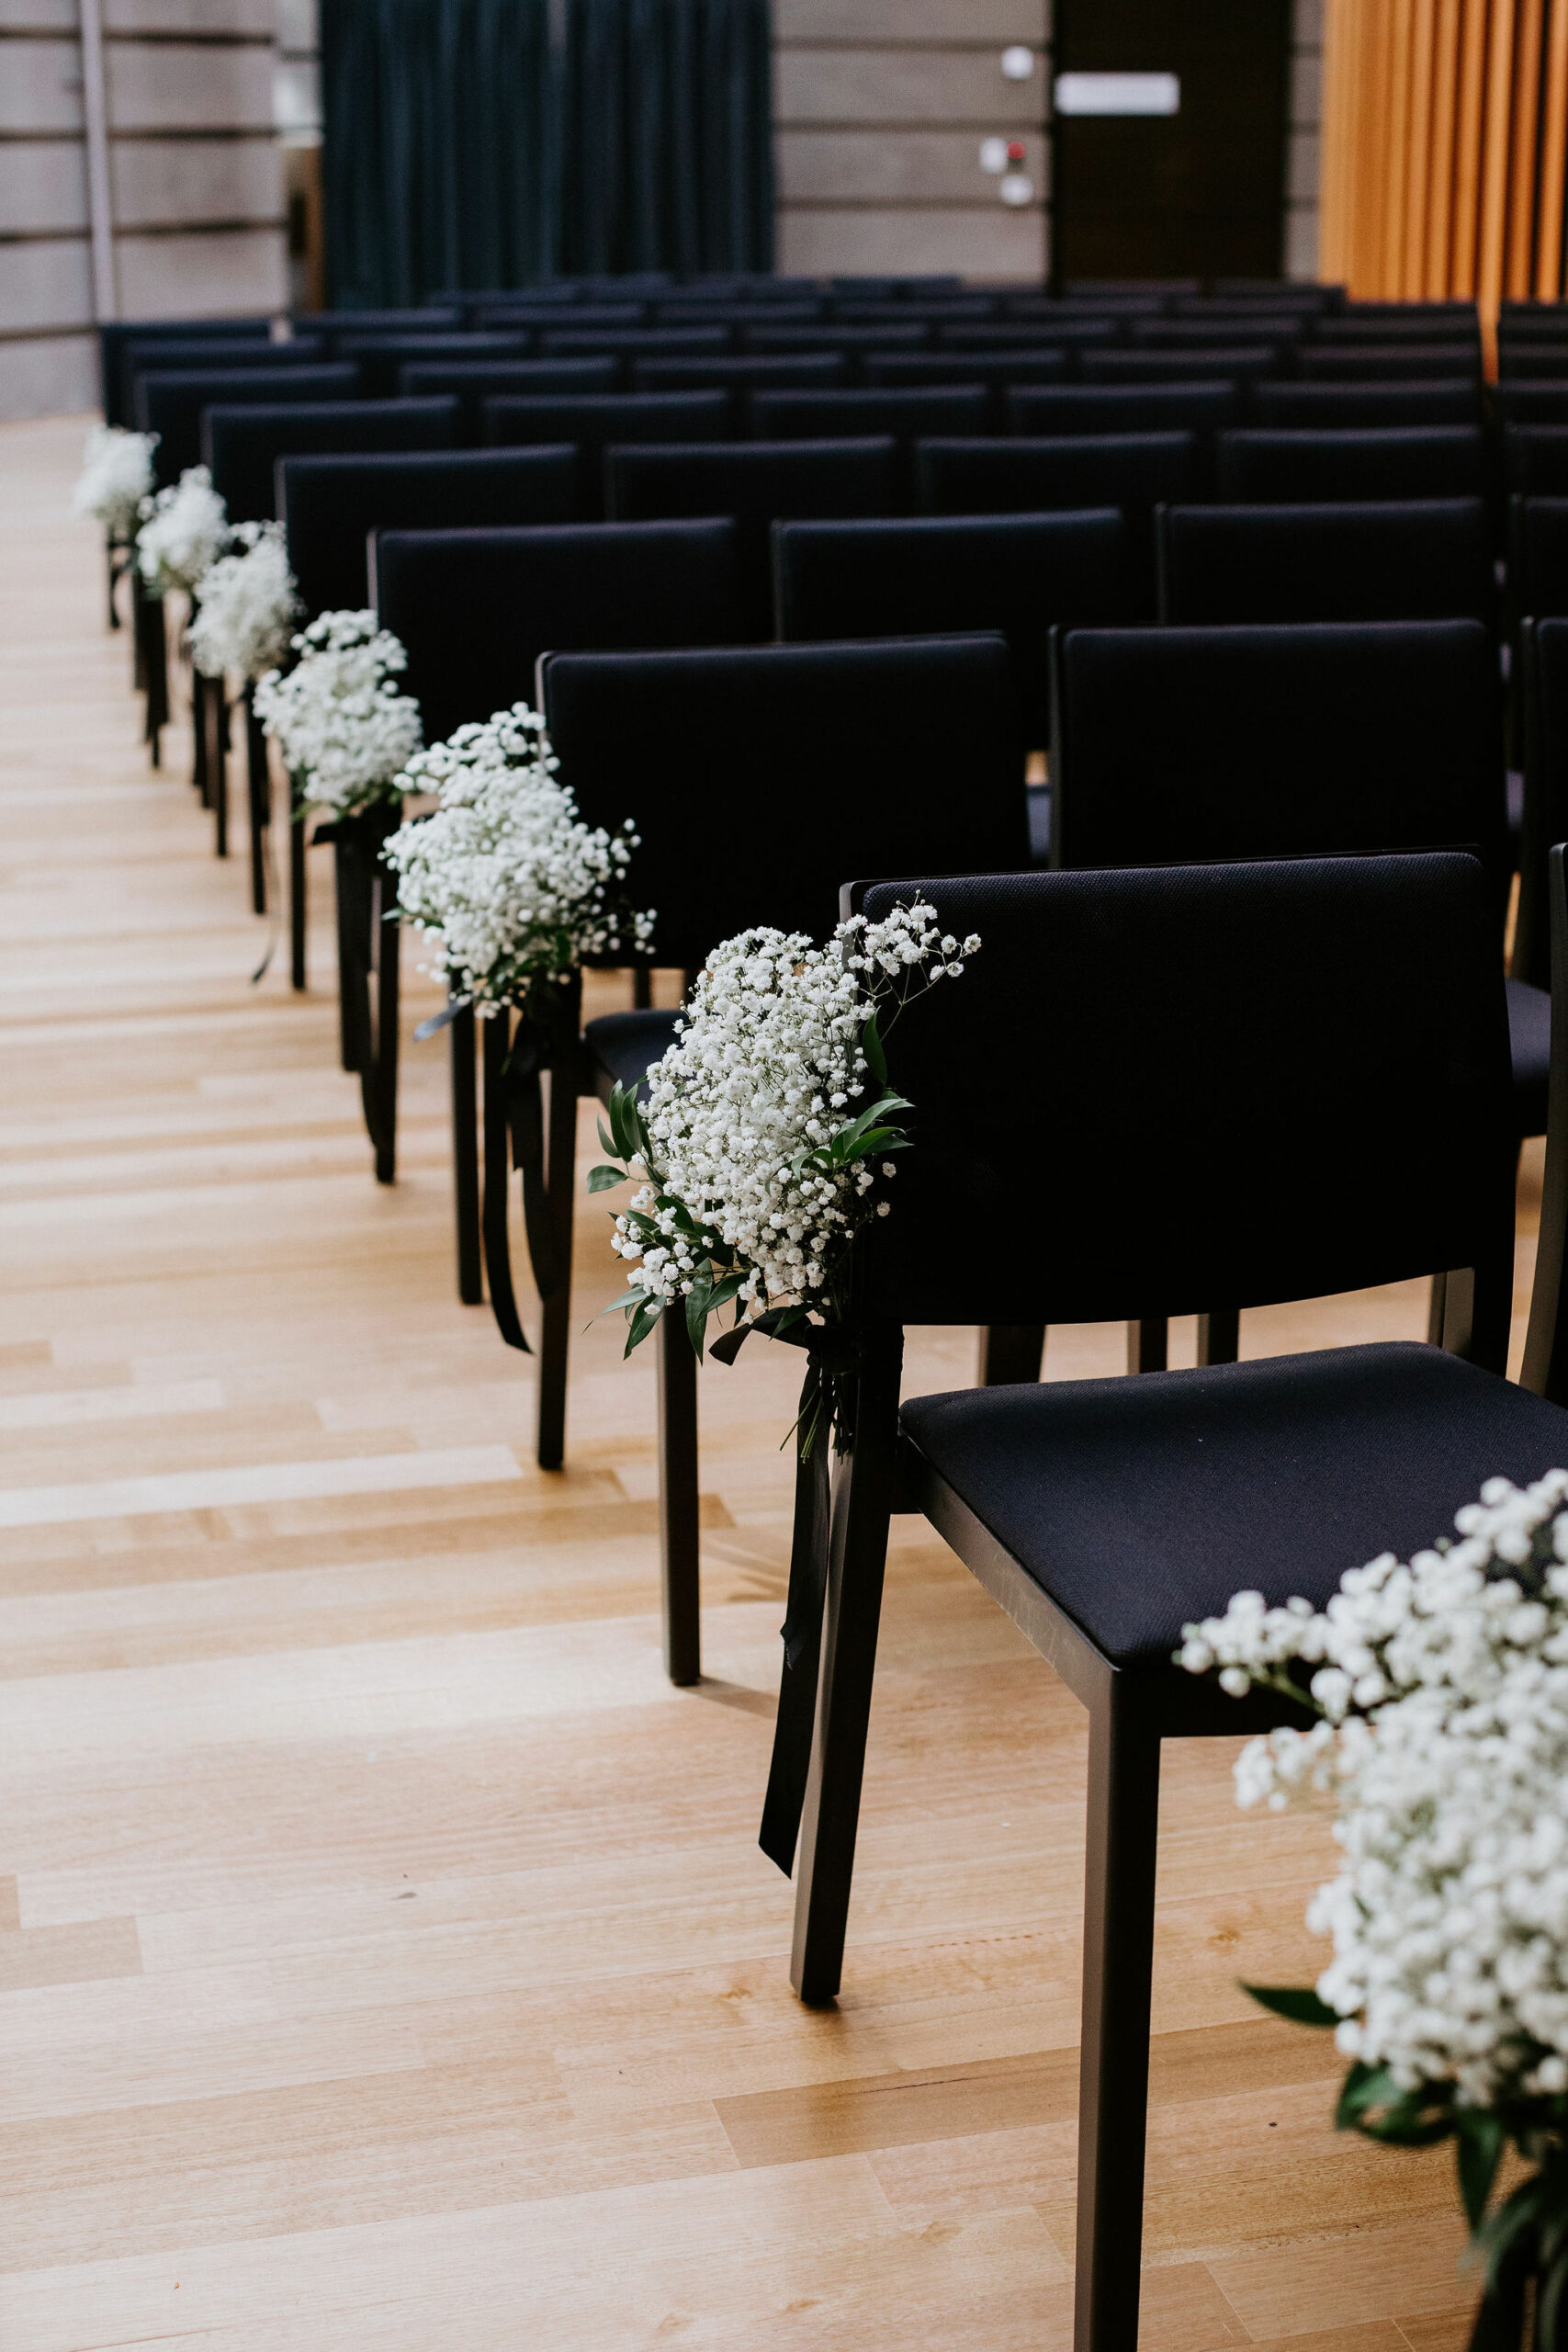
[{"x": 1118, "y": 94}]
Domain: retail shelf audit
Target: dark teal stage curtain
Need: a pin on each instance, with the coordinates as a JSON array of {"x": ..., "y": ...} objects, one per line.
[
  {"x": 667, "y": 139},
  {"x": 467, "y": 147}
]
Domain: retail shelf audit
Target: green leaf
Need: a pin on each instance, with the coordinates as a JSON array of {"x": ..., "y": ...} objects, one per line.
[
  {"x": 639, "y": 1325},
  {"x": 625, "y": 1125},
  {"x": 606, "y": 1142},
  {"x": 605, "y": 1180},
  {"x": 1299, "y": 2003},
  {"x": 628, "y": 1298},
  {"x": 698, "y": 1299},
  {"x": 1363, "y": 2086},
  {"x": 1478, "y": 2153},
  {"x": 871, "y": 1046}
]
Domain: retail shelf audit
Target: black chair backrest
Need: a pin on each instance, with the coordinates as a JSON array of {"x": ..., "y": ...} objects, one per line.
[
  {"x": 717, "y": 313},
  {"x": 428, "y": 318},
  {"x": 330, "y": 506},
  {"x": 894, "y": 337},
  {"x": 595, "y": 421},
  {"x": 476, "y": 608},
  {"x": 634, "y": 342},
  {"x": 1418, "y": 462},
  {"x": 1025, "y": 334},
  {"x": 683, "y": 742},
  {"x": 1240, "y": 364},
  {"x": 1402, "y": 362},
  {"x": 381, "y": 358},
  {"x": 1277, "y": 741},
  {"x": 244, "y": 445},
  {"x": 1049, "y": 409},
  {"x": 1544, "y": 403},
  {"x": 758, "y": 482},
  {"x": 1367, "y": 560},
  {"x": 1398, "y": 320},
  {"x": 1537, "y": 556},
  {"x": 1014, "y": 363},
  {"x": 1535, "y": 458},
  {"x": 473, "y": 382},
  {"x": 1132, "y": 470},
  {"x": 249, "y": 334},
  {"x": 1256, "y": 1057},
  {"x": 172, "y": 405},
  {"x": 821, "y": 371},
  {"x": 938, "y": 575},
  {"x": 166, "y": 354},
  {"x": 1543, "y": 647},
  {"x": 905, "y": 413},
  {"x": 528, "y": 312},
  {"x": 1189, "y": 333},
  {"x": 1521, "y": 363},
  {"x": 1350, "y": 407}
]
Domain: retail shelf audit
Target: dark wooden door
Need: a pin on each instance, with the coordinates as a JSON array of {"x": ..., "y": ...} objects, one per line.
[{"x": 1196, "y": 193}]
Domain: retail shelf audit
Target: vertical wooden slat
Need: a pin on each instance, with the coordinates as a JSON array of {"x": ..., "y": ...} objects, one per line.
[
  {"x": 1372, "y": 149},
  {"x": 1412, "y": 265},
  {"x": 1396, "y": 147},
  {"x": 1522, "y": 146},
  {"x": 1553, "y": 158},
  {"x": 1440, "y": 172},
  {"x": 1494, "y": 168},
  {"x": 1334, "y": 115},
  {"x": 1467, "y": 146}
]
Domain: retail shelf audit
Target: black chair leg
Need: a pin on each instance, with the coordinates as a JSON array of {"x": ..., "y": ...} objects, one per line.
[
  {"x": 155, "y": 656},
  {"x": 259, "y": 798},
  {"x": 1148, "y": 1344},
  {"x": 201, "y": 773},
  {"x": 857, "y": 1556},
  {"x": 218, "y": 762},
  {"x": 296, "y": 886},
  {"x": 555, "y": 1316},
  {"x": 466, "y": 1157},
  {"x": 1118, "y": 1969},
  {"x": 1219, "y": 1335},
  {"x": 642, "y": 988},
  {"x": 386, "y": 941},
  {"x": 679, "y": 1544},
  {"x": 1010, "y": 1353}
]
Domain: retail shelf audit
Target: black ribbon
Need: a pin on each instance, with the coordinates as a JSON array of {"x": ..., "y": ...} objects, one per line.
[
  {"x": 515, "y": 1130},
  {"x": 356, "y": 842},
  {"x": 820, "y": 1426}
]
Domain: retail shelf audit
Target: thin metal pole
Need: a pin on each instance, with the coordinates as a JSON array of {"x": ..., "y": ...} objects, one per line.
[{"x": 100, "y": 198}]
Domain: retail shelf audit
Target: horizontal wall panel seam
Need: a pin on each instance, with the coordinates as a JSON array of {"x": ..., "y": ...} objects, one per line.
[
  {"x": 124, "y": 228},
  {"x": 902, "y": 123},
  {"x": 78, "y": 327},
  {"x": 901, "y": 47},
  {"x": 157, "y": 133},
  {"x": 187, "y": 40},
  {"x": 77, "y": 235},
  {"x": 900, "y": 204}
]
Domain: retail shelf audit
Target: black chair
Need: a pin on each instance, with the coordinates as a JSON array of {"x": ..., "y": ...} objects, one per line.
[
  {"x": 821, "y": 371},
  {"x": 905, "y": 411},
  {"x": 426, "y": 318},
  {"x": 708, "y": 312},
  {"x": 1522, "y": 362},
  {"x": 1535, "y": 459},
  {"x": 1352, "y": 407},
  {"x": 595, "y": 421},
  {"x": 1282, "y": 468},
  {"x": 1396, "y": 363},
  {"x": 890, "y": 726},
  {"x": 172, "y": 405},
  {"x": 1041, "y": 363},
  {"x": 182, "y": 355},
  {"x": 1240, "y": 364},
  {"x": 636, "y": 343},
  {"x": 758, "y": 482},
  {"x": 476, "y": 608},
  {"x": 1532, "y": 402},
  {"x": 938, "y": 575},
  {"x": 1189, "y": 332},
  {"x": 1065, "y": 335},
  {"x": 328, "y": 506},
  {"x": 913, "y": 337},
  {"x": 527, "y": 311},
  {"x": 1543, "y": 651},
  {"x": 381, "y": 358},
  {"x": 473, "y": 382},
  {"x": 1166, "y": 1158},
  {"x": 1537, "y": 556},
  {"x": 115, "y": 333},
  {"x": 1401, "y": 322},
  {"x": 1201, "y": 408},
  {"x": 1423, "y": 559},
  {"x": 1132, "y": 471},
  {"x": 242, "y": 444}
]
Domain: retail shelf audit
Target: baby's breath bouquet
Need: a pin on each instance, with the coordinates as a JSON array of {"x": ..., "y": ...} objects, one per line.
[
  {"x": 183, "y": 531},
  {"x": 344, "y": 731},
  {"x": 248, "y": 605},
  {"x": 116, "y": 476},
  {"x": 767, "y": 1133},
  {"x": 505, "y": 875},
  {"x": 1441, "y": 1690}
]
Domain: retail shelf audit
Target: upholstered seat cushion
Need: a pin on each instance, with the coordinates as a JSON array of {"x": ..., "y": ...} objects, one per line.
[
  {"x": 623, "y": 1046},
  {"x": 1138, "y": 1503}
]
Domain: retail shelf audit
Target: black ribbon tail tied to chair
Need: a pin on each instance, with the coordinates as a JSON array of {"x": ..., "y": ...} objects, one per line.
[
  {"x": 514, "y": 1128},
  {"x": 802, "y": 1632},
  {"x": 356, "y": 842}
]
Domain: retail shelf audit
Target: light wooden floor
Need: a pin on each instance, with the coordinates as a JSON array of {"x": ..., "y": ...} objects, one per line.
[{"x": 389, "y": 1965}]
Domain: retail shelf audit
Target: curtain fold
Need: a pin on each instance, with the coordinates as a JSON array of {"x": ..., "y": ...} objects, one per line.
[{"x": 469, "y": 145}]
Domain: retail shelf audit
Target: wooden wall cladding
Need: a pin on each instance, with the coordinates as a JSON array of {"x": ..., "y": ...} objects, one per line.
[{"x": 1445, "y": 144}]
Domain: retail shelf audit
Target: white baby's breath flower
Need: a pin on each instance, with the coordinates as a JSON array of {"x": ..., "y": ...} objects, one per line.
[
  {"x": 183, "y": 531},
  {"x": 248, "y": 606},
  {"x": 337, "y": 718},
  {"x": 116, "y": 474}
]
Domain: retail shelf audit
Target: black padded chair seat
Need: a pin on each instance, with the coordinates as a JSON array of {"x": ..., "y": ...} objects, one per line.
[
  {"x": 623, "y": 1046},
  {"x": 1136, "y": 1503},
  {"x": 1529, "y": 1045}
]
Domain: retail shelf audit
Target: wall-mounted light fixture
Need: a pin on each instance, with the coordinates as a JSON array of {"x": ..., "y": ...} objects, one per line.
[
  {"x": 1018, "y": 61},
  {"x": 1118, "y": 94}
]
